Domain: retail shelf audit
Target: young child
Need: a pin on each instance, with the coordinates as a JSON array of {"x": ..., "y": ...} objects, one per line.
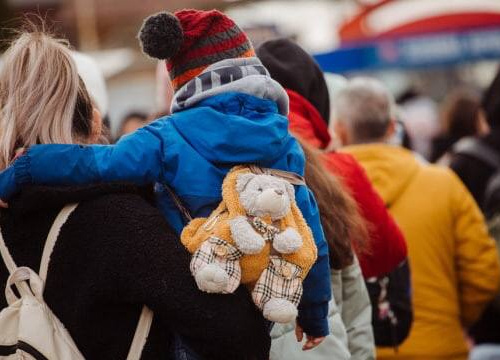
[{"x": 226, "y": 111}]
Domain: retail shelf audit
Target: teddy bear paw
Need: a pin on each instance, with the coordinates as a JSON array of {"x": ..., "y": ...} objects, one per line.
[
  {"x": 245, "y": 237},
  {"x": 212, "y": 279},
  {"x": 280, "y": 311},
  {"x": 287, "y": 242}
]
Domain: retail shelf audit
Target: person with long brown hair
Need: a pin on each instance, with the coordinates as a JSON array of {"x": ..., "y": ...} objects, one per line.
[
  {"x": 309, "y": 116},
  {"x": 346, "y": 231},
  {"x": 347, "y": 235}
]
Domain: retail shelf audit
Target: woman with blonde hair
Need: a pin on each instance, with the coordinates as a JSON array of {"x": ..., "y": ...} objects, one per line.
[{"x": 115, "y": 253}]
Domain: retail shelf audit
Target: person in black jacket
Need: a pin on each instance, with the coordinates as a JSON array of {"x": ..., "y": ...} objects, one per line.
[
  {"x": 474, "y": 172},
  {"x": 116, "y": 252}
]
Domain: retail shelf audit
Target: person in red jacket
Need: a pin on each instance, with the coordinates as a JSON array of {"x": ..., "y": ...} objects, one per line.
[{"x": 309, "y": 113}]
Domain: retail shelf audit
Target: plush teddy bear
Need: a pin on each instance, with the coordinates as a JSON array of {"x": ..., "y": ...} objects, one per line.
[
  {"x": 266, "y": 199},
  {"x": 257, "y": 236}
]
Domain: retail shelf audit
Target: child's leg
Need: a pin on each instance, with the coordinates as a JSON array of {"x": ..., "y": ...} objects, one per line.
[
  {"x": 278, "y": 290},
  {"x": 216, "y": 266}
]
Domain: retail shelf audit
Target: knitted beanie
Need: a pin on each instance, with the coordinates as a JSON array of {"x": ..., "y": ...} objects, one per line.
[
  {"x": 296, "y": 70},
  {"x": 191, "y": 40}
]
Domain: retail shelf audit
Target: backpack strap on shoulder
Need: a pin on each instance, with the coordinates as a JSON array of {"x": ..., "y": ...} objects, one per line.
[
  {"x": 141, "y": 334},
  {"x": 146, "y": 318},
  {"x": 50, "y": 243},
  {"x": 12, "y": 268},
  {"x": 178, "y": 203},
  {"x": 47, "y": 251}
]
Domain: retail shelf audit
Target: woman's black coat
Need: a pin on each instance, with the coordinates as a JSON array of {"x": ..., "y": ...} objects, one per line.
[{"x": 114, "y": 254}]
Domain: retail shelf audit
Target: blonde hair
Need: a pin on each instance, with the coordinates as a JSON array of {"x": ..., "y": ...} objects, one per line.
[{"x": 42, "y": 98}]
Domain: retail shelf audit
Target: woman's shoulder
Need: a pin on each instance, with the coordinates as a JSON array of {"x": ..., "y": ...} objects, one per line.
[
  {"x": 121, "y": 219},
  {"x": 121, "y": 205},
  {"x": 119, "y": 231},
  {"x": 129, "y": 213}
]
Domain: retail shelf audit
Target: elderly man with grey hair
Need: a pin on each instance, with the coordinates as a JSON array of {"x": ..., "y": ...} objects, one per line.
[
  {"x": 364, "y": 112},
  {"x": 455, "y": 267}
]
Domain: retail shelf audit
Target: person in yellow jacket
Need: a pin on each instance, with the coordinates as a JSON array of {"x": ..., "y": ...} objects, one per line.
[{"x": 454, "y": 263}]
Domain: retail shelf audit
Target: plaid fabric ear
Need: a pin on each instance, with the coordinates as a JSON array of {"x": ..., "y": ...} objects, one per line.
[
  {"x": 280, "y": 280},
  {"x": 217, "y": 251}
]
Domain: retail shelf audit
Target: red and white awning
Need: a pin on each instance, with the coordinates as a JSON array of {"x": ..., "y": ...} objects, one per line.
[{"x": 393, "y": 18}]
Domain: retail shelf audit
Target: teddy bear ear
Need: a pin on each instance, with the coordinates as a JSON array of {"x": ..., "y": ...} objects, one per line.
[
  {"x": 243, "y": 180},
  {"x": 291, "y": 191}
]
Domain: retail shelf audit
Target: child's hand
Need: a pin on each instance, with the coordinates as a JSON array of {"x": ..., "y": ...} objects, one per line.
[{"x": 311, "y": 342}]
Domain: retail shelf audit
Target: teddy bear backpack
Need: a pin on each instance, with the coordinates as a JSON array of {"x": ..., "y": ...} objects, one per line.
[
  {"x": 258, "y": 237},
  {"x": 28, "y": 328}
]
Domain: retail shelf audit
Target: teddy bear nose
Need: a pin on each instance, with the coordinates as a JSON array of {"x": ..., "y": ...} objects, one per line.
[{"x": 279, "y": 192}]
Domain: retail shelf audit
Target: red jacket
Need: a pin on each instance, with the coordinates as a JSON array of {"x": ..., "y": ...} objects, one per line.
[{"x": 387, "y": 244}]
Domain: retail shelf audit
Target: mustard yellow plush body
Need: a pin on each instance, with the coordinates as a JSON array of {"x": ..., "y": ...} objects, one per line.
[{"x": 217, "y": 224}]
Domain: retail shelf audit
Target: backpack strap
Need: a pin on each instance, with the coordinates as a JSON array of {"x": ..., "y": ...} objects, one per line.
[
  {"x": 11, "y": 266},
  {"x": 146, "y": 318},
  {"x": 178, "y": 203},
  {"x": 141, "y": 334},
  {"x": 52, "y": 239},
  {"x": 478, "y": 150},
  {"x": 47, "y": 251}
]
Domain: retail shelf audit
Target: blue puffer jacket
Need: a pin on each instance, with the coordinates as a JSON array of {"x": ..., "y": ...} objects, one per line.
[{"x": 191, "y": 151}]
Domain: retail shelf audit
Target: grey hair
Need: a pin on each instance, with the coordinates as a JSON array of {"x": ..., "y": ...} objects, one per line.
[{"x": 366, "y": 107}]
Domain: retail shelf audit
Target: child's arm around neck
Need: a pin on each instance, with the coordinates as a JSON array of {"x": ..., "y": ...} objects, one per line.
[{"x": 136, "y": 158}]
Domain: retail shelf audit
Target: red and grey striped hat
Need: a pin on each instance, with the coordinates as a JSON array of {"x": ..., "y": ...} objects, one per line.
[{"x": 191, "y": 40}]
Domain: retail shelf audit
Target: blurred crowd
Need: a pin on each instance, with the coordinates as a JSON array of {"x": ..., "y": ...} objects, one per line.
[{"x": 407, "y": 191}]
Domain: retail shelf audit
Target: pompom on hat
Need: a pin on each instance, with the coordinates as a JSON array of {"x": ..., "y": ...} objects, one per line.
[{"x": 192, "y": 40}]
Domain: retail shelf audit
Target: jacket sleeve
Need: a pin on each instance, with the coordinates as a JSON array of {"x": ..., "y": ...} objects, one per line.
[
  {"x": 387, "y": 244},
  {"x": 152, "y": 268},
  {"x": 476, "y": 255},
  {"x": 135, "y": 158},
  {"x": 313, "y": 309},
  {"x": 357, "y": 313}
]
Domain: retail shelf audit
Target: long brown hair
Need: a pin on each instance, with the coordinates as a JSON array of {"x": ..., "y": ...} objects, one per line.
[{"x": 344, "y": 227}]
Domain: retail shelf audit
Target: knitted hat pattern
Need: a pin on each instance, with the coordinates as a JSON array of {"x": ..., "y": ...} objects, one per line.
[{"x": 192, "y": 40}]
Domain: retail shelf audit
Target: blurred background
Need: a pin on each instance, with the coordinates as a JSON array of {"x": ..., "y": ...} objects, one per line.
[{"x": 422, "y": 49}]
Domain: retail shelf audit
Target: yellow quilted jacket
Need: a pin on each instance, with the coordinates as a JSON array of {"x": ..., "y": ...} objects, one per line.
[
  {"x": 195, "y": 233},
  {"x": 454, "y": 263}
]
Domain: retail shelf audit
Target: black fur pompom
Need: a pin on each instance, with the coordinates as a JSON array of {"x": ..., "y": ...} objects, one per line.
[{"x": 161, "y": 35}]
